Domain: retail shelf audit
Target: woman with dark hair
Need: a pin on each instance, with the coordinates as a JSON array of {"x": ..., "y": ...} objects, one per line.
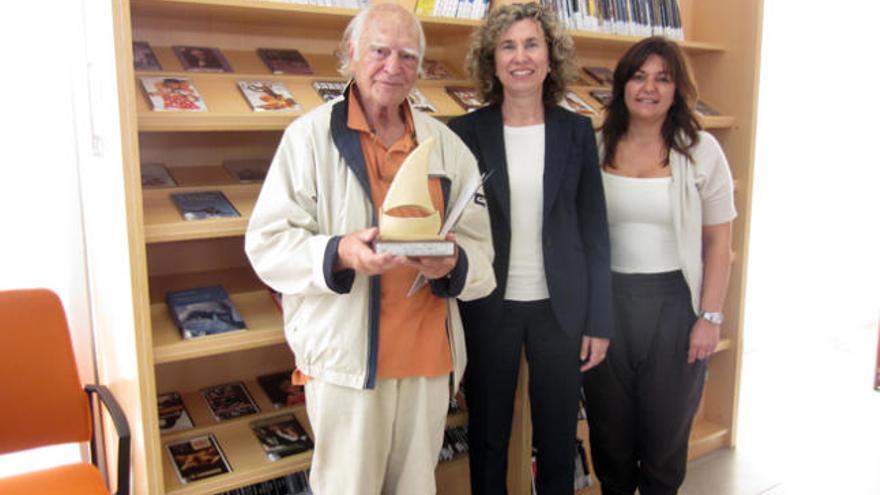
[
  {"x": 670, "y": 206},
  {"x": 551, "y": 247}
]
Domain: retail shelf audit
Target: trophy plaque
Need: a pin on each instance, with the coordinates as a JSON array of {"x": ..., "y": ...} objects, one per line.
[{"x": 412, "y": 235}]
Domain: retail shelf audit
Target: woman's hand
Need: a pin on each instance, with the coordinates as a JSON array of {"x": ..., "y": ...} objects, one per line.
[
  {"x": 593, "y": 350},
  {"x": 704, "y": 339}
]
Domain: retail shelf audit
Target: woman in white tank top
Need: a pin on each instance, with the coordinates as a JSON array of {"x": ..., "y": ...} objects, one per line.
[{"x": 670, "y": 206}]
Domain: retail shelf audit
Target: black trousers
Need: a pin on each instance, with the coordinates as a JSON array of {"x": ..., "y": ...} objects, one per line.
[
  {"x": 490, "y": 385},
  {"x": 641, "y": 400}
]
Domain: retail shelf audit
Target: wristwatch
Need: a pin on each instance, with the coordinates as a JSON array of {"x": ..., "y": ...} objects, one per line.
[{"x": 714, "y": 318}]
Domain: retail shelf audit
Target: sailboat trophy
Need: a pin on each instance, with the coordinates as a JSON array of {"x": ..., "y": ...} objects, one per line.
[{"x": 412, "y": 236}]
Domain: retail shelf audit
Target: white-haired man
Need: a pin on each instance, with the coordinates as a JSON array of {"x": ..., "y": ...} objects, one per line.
[{"x": 378, "y": 366}]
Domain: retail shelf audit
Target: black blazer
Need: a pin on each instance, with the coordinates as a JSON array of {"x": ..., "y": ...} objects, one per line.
[{"x": 575, "y": 228}]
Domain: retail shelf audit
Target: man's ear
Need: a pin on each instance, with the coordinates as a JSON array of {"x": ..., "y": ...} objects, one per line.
[{"x": 351, "y": 54}]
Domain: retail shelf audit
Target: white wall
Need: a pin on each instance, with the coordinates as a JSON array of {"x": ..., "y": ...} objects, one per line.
[
  {"x": 45, "y": 129},
  {"x": 808, "y": 412}
]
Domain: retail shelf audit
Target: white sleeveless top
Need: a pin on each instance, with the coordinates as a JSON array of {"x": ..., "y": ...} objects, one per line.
[
  {"x": 524, "y": 150},
  {"x": 640, "y": 225}
]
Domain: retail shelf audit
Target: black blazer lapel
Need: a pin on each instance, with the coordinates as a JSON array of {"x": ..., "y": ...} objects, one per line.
[
  {"x": 490, "y": 135},
  {"x": 557, "y": 142}
]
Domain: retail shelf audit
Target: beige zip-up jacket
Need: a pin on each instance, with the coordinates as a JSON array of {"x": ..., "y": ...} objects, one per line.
[{"x": 316, "y": 191}]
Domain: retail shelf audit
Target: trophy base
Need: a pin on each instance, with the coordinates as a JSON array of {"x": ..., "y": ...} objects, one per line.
[{"x": 415, "y": 248}]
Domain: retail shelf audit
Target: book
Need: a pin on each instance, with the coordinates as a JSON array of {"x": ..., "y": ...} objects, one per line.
[
  {"x": 329, "y": 89},
  {"x": 203, "y": 311},
  {"x": 247, "y": 170},
  {"x": 172, "y": 94},
  {"x": 281, "y": 436},
  {"x": 198, "y": 458},
  {"x": 284, "y": 61},
  {"x": 268, "y": 96},
  {"x": 156, "y": 175},
  {"x": 603, "y": 96},
  {"x": 203, "y": 205},
  {"x": 466, "y": 97},
  {"x": 292, "y": 484},
  {"x": 419, "y": 101},
  {"x": 229, "y": 400},
  {"x": 602, "y": 75},
  {"x": 279, "y": 389},
  {"x": 144, "y": 58},
  {"x": 173, "y": 415},
  {"x": 202, "y": 59},
  {"x": 435, "y": 70},
  {"x": 703, "y": 109},
  {"x": 577, "y": 104}
]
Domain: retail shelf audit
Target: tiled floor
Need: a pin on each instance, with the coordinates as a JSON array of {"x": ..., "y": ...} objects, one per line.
[{"x": 809, "y": 420}]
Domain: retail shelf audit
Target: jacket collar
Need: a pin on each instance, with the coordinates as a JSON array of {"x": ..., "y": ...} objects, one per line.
[{"x": 557, "y": 139}]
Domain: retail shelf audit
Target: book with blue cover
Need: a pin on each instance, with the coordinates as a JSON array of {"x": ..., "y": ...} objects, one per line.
[
  {"x": 202, "y": 205},
  {"x": 203, "y": 311}
]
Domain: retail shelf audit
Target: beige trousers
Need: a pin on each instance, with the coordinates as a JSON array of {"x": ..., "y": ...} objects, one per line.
[{"x": 382, "y": 441}]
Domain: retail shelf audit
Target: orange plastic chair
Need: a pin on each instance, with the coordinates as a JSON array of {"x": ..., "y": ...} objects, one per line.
[{"x": 43, "y": 402}]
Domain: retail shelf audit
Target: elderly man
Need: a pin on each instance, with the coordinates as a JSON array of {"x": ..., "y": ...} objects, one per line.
[{"x": 378, "y": 366}]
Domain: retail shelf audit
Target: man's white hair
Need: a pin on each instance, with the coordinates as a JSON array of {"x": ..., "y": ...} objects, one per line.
[{"x": 355, "y": 30}]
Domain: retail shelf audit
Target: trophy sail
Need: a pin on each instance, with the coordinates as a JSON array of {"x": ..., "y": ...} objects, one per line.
[
  {"x": 410, "y": 188},
  {"x": 412, "y": 236}
]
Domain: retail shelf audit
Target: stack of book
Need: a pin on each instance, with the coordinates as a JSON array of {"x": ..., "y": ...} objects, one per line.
[
  {"x": 461, "y": 9},
  {"x": 624, "y": 17}
]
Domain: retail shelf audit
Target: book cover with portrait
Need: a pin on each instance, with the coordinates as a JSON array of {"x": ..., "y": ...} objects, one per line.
[
  {"x": 172, "y": 94},
  {"x": 281, "y": 436},
  {"x": 202, "y": 59},
  {"x": 268, "y": 96}
]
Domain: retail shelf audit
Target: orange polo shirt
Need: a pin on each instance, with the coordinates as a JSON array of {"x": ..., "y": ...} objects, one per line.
[{"x": 412, "y": 330}]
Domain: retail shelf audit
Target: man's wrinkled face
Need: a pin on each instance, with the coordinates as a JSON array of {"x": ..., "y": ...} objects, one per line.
[{"x": 386, "y": 67}]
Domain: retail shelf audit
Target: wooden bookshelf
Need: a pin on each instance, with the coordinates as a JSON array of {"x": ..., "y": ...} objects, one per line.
[{"x": 159, "y": 251}]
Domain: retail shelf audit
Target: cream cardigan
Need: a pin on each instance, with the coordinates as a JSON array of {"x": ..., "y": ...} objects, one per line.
[{"x": 702, "y": 194}]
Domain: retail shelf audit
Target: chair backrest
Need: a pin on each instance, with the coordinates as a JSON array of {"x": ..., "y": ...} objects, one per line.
[{"x": 41, "y": 399}]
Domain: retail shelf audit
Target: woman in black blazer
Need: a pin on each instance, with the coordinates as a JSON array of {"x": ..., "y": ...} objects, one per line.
[{"x": 550, "y": 233}]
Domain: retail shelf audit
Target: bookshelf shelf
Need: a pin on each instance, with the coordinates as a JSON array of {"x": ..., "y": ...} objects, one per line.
[
  {"x": 165, "y": 252},
  {"x": 262, "y": 317},
  {"x": 242, "y": 449},
  {"x": 164, "y": 223}
]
